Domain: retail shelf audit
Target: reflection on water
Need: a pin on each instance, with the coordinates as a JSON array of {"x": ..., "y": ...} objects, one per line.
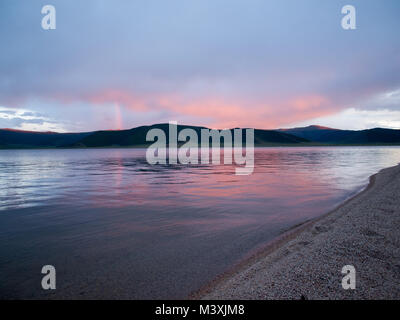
[{"x": 114, "y": 226}]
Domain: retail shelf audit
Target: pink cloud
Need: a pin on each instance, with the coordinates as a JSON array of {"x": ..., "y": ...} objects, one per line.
[{"x": 222, "y": 112}]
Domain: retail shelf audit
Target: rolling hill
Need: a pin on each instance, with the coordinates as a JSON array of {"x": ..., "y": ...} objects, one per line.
[
  {"x": 136, "y": 137},
  {"x": 336, "y": 136},
  {"x": 119, "y": 138},
  {"x": 10, "y": 138}
]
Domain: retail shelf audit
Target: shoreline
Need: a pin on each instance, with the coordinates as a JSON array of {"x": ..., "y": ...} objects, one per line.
[
  {"x": 287, "y": 267},
  {"x": 269, "y": 145}
]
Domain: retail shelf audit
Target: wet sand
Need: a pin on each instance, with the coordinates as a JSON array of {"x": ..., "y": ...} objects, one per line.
[{"x": 306, "y": 261}]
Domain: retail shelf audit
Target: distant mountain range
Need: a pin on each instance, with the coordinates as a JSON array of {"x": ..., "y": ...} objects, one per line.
[
  {"x": 335, "y": 136},
  {"x": 136, "y": 137}
]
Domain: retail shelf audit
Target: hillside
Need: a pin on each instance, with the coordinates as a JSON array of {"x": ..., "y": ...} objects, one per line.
[
  {"x": 19, "y": 139},
  {"x": 136, "y": 137},
  {"x": 336, "y": 136},
  {"x": 119, "y": 138}
]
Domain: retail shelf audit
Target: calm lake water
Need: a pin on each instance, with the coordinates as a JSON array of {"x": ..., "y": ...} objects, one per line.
[{"x": 115, "y": 227}]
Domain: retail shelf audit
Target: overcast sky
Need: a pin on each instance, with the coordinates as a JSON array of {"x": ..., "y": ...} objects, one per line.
[{"x": 220, "y": 63}]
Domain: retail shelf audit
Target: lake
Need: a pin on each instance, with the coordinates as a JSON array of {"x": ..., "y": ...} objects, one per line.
[{"x": 114, "y": 226}]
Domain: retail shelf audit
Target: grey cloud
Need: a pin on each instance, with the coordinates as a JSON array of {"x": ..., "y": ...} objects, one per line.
[
  {"x": 29, "y": 114},
  {"x": 9, "y": 112},
  {"x": 238, "y": 49}
]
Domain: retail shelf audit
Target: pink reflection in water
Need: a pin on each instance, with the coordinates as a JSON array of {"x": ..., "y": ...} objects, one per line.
[{"x": 164, "y": 230}]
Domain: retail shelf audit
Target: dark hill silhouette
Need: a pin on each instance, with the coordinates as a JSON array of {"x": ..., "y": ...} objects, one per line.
[
  {"x": 19, "y": 138},
  {"x": 337, "y": 136},
  {"x": 10, "y": 138},
  {"x": 118, "y": 138},
  {"x": 137, "y": 136}
]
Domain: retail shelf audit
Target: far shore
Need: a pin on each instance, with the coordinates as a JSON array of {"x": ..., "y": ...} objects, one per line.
[
  {"x": 306, "y": 261},
  {"x": 269, "y": 145}
]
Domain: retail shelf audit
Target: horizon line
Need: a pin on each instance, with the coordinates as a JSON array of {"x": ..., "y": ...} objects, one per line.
[{"x": 199, "y": 126}]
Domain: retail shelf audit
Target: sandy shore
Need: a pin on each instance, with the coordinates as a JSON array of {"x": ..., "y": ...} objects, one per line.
[{"x": 307, "y": 261}]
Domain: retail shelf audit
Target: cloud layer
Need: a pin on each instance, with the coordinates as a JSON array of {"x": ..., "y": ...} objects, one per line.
[{"x": 218, "y": 63}]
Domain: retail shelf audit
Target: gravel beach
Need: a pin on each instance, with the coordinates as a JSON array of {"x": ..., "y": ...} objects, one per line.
[{"x": 306, "y": 262}]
